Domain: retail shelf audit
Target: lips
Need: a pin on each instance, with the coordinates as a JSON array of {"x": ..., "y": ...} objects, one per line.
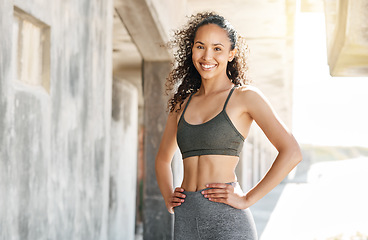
[{"x": 208, "y": 66}]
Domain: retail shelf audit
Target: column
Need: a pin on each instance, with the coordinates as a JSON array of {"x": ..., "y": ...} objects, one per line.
[
  {"x": 123, "y": 163},
  {"x": 158, "y": 222}
]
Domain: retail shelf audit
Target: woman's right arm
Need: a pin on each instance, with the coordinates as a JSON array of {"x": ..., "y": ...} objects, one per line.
[{"x": 163, "y": 160}]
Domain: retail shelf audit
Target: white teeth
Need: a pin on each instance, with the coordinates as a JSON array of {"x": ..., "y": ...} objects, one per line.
[{"x": 207, "y": 66}]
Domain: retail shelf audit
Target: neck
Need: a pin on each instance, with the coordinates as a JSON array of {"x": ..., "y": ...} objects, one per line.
[{"x": 212, "y": 86}]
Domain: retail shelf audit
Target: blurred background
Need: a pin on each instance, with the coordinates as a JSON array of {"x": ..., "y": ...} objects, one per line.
[{"x": 83, "y": 107}]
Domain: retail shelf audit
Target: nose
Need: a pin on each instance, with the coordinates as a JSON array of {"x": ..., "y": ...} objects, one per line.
[{"x": 207, "y": 55}]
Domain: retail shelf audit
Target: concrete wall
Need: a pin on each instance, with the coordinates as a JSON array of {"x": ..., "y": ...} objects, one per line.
[
  {"x": 158, "y": 222},
  {"x": 347, "y": 37},
  {"x": 123, "y": 164},
  {"x": 145, "y": 26},
  {"x": 55, "y": 147}
]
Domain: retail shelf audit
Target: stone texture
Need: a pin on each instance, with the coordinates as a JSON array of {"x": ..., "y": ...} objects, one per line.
[
  {"x": 5, "y": 130},
  {"x": 55, "y": 146},
  {"x": 347, "y": 37},
  {"x": 270, "y": 71},
  {"x": 311, "y": 5},
  {"x": 123, "y": 163},
  {"x": 143, "y": 24},
  {"x": 245, "y": 15},
  {"x": 157, "y": 220}
]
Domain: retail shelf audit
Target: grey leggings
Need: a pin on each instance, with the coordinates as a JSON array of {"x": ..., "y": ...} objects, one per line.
[{"x": 199, "y": 218}]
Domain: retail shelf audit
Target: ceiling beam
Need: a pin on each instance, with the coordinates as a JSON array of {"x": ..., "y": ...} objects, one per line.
[{"x": 143, "y": 25}]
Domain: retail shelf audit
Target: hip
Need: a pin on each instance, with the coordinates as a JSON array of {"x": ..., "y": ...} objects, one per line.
[
  {"x": 199, "y": 218},
  {"x": 195, "y": 204}
]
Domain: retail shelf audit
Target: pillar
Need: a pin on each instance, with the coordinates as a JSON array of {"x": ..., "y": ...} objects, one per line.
[
  {"x": 158, "y": 222},
  {"x": 346, "y": 33},
  {"x": 123, "y": 163}
]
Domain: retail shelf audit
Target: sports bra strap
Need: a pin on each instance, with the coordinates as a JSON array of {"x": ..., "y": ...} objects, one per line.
[
  {"x": 227, "y": 100},
  {"x": 186, "y": 105},
  {"x": 228, "y": 97}
]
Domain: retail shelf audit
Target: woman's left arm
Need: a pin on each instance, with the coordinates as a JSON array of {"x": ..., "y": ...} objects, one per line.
[{"x": 289, "y": 154}]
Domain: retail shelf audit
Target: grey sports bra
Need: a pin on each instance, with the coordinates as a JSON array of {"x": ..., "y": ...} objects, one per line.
[{"x": 217, "y": 136}]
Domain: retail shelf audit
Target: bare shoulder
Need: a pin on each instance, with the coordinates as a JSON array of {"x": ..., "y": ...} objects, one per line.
[
  {"x": 178, "y": 110},
  {"x": 248, "y": 93},
  {"x": 175, "y": 113}
]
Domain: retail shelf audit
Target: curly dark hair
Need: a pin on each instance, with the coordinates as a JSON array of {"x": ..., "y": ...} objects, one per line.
[{"x": 184, "y": 78}]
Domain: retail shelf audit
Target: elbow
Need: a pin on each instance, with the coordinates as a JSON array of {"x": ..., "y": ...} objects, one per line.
[
  {"x": 297, "y": 156},
  {"x": 293, "y": 155},
  {"x": 160, "y": 163}
]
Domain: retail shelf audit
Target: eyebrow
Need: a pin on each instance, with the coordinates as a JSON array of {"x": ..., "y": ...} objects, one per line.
[{"x": 215, "y": 44}]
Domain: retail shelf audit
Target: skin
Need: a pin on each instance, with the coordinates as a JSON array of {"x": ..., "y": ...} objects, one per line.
[{"x": 211, "y": 52}]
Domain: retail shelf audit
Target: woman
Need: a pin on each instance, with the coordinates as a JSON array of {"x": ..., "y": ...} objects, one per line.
[{"x": 210, "y": 129}]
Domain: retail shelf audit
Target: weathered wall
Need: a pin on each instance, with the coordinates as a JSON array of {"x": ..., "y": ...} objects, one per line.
[
  {"x": 55, "y": 147},
  {"x": 5, "y": 129},
  {"x": 148, "y": 24},
  {"x": 123, "y": 164},
  {"x": 347, "y": 37},
  {"x": 158, "y": 222}
]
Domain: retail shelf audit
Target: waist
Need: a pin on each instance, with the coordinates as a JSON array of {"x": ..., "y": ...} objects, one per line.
[
  {"x": 196, "y": 205},
  {"x": 197, "y": 192},
  {"x": 199, "y": 171},
  {"x": 210, "y": 165}
]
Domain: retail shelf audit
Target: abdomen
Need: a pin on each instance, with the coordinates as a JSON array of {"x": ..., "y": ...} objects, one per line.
[{"x": 201, "y": 170}]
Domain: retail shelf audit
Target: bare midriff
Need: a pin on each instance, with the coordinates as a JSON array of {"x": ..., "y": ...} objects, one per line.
[{"x": 202, "y": 170}]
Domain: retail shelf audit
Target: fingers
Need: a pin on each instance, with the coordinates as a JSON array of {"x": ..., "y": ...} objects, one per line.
[
  {"x": 171, "y": 205},
  {"x": 178, "y": 195},
  {"x": 218, "y": 188},
  {"x": 178, "y": 189},
  {"x": 214, "y": 191},
  {"x": 175, "y": 204},
  {"x": 218, "y": 197},
  {"x": 220, "y": 200},
  {"x": 219, "y": 192},
  {"x": 177, "y": 199}
]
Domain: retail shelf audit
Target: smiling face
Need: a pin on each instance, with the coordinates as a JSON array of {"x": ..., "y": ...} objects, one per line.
[{"x": 211, "y": 52}]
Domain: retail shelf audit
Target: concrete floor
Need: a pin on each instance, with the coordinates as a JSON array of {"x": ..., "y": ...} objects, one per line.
[{"x": 331, "y": 204}]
